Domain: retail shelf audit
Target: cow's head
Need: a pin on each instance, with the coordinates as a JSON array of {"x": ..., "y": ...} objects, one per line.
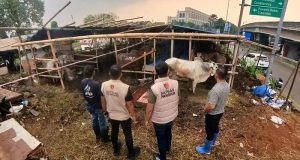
[
  {"x": 172, "y": 62},
  {"x": 213, "y": 66}
]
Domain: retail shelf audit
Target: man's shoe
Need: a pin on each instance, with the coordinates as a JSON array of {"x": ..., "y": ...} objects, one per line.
[
  {"x": 206, "y": 148},
  {"x": 118, "y": 151},
  {"x": 156, "y": 157},
  {"x": 135, "y": 153}
]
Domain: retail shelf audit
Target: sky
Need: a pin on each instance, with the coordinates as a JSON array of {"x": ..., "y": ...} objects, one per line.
[{"x": 156, "y": 10}]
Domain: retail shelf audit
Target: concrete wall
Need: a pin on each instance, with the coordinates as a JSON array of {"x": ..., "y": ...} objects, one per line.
[{"x": 292, "y": 50}]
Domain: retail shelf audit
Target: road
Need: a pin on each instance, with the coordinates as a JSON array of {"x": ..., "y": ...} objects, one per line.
[{"x": 283, "y": 70}]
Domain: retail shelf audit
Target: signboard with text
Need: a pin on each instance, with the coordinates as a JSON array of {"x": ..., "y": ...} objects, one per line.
[{"x": 271, "y": 8}]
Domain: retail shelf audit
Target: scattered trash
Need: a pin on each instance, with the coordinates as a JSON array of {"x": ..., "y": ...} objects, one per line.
[
  {"x": 276, "y": 103},
  {"x": 250, "y": 154},
  {"x": 16, "y": 109},
  {"x": 276, "y": 126},
  {"x": 24, "y": 103},
  {"x": 262, "y": 118},
  {"x": 263, "y": 91},
  {"x": 34, "y": 112},
  {"x": 276, "y": 120},
  {"x": 83, "y": 124},
  {"x": 61, "y": 130},
  {"x": 233, "y": 119},
  {"x": 255, "y": 102},
  {"x": 195, "y": 115},
  {"x": 241, "y": 145}
]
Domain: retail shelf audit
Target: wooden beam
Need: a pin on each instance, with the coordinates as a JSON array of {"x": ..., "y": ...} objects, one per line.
[
  {"x": 140, "y": 57},
  {"x": 116, "y": 50},
  {"x": 172, "y": 45},
  {"x": 234, "y": 61},
  {"x": 140, "y": 35},
  {"x": 53, "y": 50},
  {"x": 141, "y": 72},
  {"x": 190, "y": 49}
]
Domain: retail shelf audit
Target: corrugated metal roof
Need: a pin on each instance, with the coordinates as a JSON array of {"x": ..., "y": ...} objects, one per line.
[{"x": 5, "y": 44}]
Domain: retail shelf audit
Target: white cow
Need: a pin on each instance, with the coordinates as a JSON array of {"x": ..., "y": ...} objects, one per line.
[{"x": 197, "y": 70}]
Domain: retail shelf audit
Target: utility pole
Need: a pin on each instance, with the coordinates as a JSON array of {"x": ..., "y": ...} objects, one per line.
[
  {"x": 226, "y": 21},
  {"x": 241, "y": 16},
  {"x": 275, "y": 47}
]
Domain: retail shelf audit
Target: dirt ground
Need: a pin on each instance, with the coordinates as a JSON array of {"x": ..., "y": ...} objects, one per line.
[{"x": 64, "y": 128}]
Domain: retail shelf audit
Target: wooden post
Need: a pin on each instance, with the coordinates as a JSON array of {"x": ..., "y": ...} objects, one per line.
[
  {"x": 154, "y": 52},
  {"x": 34, "y": 60},
  {"x": 145, "y": 64},
  {"x": 116, "y": 50},
  {"x": 53, "y": 50},
  {"x": 234, "y": 61},
  {"x": 20, "y": 66},
  {"x": 190, "y": 49},
  {"x": 172, "y": 45}
]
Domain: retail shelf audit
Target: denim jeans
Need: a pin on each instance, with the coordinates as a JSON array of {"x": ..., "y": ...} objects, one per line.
[
  {"x": 164, "y": 138},
  {"x": 126, "y": 126},
  {"x": 99, "y": 122}
]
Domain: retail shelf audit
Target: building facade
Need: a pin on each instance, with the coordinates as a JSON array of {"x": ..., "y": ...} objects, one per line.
[{"x": 190, "y": 15}]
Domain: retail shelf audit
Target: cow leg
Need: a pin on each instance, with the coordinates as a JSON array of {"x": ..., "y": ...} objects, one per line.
[{"x": 194, "y": 85}]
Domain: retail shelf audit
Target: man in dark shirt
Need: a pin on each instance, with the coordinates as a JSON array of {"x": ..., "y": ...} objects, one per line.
[{"x": 92, "y": 94}]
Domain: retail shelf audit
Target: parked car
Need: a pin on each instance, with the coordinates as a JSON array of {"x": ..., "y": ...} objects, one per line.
[{"x": 261, "y": 61}]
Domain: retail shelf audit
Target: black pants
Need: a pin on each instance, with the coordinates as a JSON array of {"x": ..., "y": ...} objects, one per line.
[
  {"x": 212, "y": 125},
  {"x": 126, "y": 126},
  {"x": 164, "y": 138}
]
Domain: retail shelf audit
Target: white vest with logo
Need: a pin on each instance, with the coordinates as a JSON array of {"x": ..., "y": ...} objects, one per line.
[
  {"x": 167, "y": 99},
  {"x": 115, "y": 92}
]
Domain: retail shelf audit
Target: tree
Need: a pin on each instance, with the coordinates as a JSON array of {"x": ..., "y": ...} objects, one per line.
[
  {"x": 21, "y": 13},
  {"x": 54, "y": 24},
  {"x": 104, "y": 16}
]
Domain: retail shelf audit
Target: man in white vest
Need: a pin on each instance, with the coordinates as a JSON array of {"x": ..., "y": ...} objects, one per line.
[
  {"x": 162, "y": 109},
  {"x": 117, "y": 98}
]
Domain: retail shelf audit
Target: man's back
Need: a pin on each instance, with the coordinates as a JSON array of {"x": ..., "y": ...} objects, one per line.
[
  {"x": 218, "y": 96},
  {"x": 91, "y": 91},
  {"x": 116, "y": 94}
]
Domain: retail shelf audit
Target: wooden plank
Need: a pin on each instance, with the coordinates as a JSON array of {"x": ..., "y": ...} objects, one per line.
[
  {"x": 16, "y": 143},
  {"x": 140, "y": 57},
  {"x": 49, "y": 76},
  {"x": 54, "y": 57},
  {"x": 44, "y": 59},
  {"x": 10, "y": 95}
]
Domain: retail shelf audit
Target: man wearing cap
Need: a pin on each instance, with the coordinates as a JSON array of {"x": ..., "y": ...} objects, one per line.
[
  {"x": 162, "y": 109},
  {"x": 117, "y": 98}
]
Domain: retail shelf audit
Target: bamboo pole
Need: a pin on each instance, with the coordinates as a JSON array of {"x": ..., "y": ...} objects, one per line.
[
  {"x": 116, "y": 50},
  {"x": 53, "y": 50},
  {"x": 87, "y": 24},
  {"x": 257, "y": 44},
  {"x": 172, "y": 45},
  {"x": 20, "y": 65},
  {"x": 190, "y": 49},
  {"x": 136, "y": 59},
  {"x": 145, "y": 59},
  {"x": 57, "y": 13},
  {"x": 234, "y": 61},
  {"x": 138, "y": 35},
  {"x": 34, "y": 59},
  {"x": 141, "y": 72}
]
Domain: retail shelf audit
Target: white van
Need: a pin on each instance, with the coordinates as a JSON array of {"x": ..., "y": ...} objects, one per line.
[{"x": 261, "y": 61}]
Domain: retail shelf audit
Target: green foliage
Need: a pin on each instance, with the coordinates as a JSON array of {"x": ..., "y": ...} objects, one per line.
[
  {"x": 250, "y": 67},
  {"x": 21, "y": 13},
  {"x": 273, "y": 83},
  {"x": 54, "y": 24},
  {"x": 105, "y": 16}
]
